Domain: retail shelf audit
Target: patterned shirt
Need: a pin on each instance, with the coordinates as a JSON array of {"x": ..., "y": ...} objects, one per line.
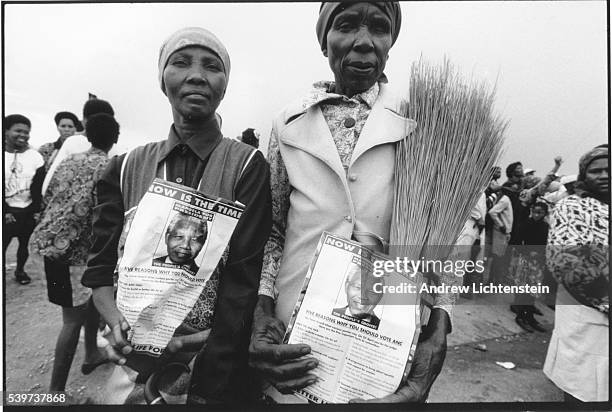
[
  {"x": 65, "y": 229},
  {"x": 345, "y": 118},
  {"x": 577, "y": 250},
  {"x": 49, "y": 150}
]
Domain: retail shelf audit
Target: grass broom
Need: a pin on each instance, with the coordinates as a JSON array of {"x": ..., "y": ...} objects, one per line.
[{"x": 443, "y": 167}]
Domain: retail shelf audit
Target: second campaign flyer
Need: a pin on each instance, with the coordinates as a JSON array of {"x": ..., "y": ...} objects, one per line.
[{"x": 363, "y": 338}]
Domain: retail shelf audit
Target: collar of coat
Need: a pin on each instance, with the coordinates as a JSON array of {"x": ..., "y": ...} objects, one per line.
[
  {"x": 304, "y": 127},
  {"x": 324, "y": 92}
]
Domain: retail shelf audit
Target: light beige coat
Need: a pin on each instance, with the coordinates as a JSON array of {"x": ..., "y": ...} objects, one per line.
[{"x": 324, "y": 196}]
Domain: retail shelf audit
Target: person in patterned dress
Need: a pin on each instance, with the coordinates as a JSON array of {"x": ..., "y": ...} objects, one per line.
[
  {"x": 63, "y": 238},
  {"x": 577, "y": 254}
]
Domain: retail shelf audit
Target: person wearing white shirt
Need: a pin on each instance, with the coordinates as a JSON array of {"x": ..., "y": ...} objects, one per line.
[
  {"x": 23, "y": 172},
  {"x": 471, "y": 237},
  {"x": 79, "y": 143},
  {"x": 473, "y": 227}
]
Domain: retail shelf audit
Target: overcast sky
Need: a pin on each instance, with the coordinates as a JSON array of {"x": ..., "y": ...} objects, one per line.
[{"x": 549, "y": 59}]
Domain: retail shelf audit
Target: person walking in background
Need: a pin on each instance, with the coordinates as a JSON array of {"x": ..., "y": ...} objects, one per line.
[
  {"x": 530, "y": 267},
  {"x": 23, "y": 175},
  {"x": 491, "y": 193},
  {"x": 63, "y": 238},
  {"x": 469, "y": 241},
  {"x": 577, "y": 254},
  {"x": 503, "y": 217},
  {"x": 66, "y": 123},
  {"x": 513, "y": 188},
  {"x": 79, "y": 143},
  {"x": 533, "y": 189}
]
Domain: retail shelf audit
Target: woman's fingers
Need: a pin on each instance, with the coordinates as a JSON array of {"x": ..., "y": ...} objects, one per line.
[
  {"x": 188, "y": 343},
  {"x": 288, "y": 371},
  {"x": 119, "y": 331},
  {"x": 125, "y": 326},
  {"x": 291, "y": 385},
  {"x": 277, "y": 353},
  {"x": 114, "y": 356}
]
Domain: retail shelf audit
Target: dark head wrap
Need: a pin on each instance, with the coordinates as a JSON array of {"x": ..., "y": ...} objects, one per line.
[
  {"x": 581, "y": 188},
  {"x": 329, "y": 9}
]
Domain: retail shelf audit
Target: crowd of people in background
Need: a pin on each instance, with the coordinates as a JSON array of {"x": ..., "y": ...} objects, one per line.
[
  {"x": 517, "y": 227},
  {"x": 55, "y": 218},
  {"x": 554, "y": 231}
]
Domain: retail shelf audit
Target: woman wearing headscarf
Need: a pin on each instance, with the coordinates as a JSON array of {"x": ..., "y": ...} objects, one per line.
[
  {"x": 578, "y": 257},
  {"x": 194, "y": 69},
  {"x": 331, "y": 158}
]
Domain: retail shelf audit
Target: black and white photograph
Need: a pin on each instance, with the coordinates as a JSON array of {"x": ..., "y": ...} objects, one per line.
[{"x": 413, "y": 128}]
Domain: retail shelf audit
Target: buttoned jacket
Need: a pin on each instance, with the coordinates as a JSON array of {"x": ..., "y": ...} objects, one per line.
[{"x": 353, "y": 203}]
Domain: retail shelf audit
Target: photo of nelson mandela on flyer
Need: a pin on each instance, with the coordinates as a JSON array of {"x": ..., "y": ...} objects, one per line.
[
  {"x": 360, "y": 305},
  {"x": 185, "y": 238}
]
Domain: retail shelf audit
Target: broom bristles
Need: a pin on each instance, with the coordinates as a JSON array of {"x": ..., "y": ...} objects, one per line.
[{"x": 443, "y": 167}]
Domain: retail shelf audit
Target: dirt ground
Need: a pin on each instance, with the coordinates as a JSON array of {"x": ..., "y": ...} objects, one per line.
[
  {"x": 469, "y": 375},
  {"x": 32, "y": 324}
]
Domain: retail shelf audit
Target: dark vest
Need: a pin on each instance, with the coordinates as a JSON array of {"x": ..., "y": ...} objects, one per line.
[
  {"x": 223, "y": 170},
  {"x": 225, "y": 165}
]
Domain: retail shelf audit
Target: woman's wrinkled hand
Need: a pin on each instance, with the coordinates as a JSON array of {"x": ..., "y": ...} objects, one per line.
[
  {"x": 118, "y": 347},
  {"x": 283, "y": 365}
]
